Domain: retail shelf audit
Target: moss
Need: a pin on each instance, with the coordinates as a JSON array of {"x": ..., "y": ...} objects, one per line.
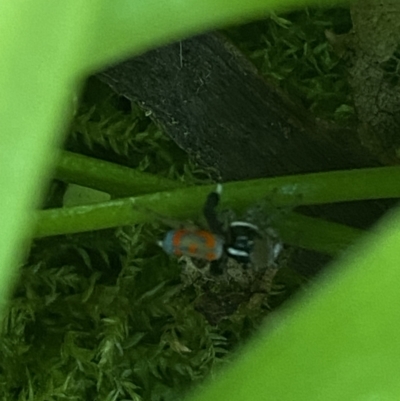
[{"x": 292, "y": 50}]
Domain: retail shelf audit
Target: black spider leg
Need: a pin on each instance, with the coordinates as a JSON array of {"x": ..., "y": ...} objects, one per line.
[
  {"x": 210, "y": 213},
  {"x": 215, "y": 225}
]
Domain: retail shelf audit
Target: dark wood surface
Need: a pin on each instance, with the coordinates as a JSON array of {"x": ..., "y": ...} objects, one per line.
[
  {"x": 214, "y": 104},
  {"x": 372, "y": 54}
]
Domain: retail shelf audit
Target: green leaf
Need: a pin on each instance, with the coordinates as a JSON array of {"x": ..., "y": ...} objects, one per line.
[{"x": 340, "y": 342}]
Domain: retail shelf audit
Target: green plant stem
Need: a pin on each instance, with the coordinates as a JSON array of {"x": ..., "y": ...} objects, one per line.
[
  {"x": 295, "y": 190},
  {"x": 317, "y": 188},
  {"x": 186, "y": 203},
  {"x": 295, "y": 229},
  {"x": 109, "y": 177},
  {"x": 316, "y": 234},
  {"x": 183, "y": 204}
]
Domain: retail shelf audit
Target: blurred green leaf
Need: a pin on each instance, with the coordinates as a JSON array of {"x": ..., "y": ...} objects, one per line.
[{"x": 340, "y": 343}]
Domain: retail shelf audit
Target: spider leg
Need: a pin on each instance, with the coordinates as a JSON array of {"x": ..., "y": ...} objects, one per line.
[{"x": 210, "y": 213}]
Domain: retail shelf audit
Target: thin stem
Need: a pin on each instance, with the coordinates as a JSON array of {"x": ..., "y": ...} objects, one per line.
[
  {"x": 316, "y": 234},
  {"x": 305, "y": 232},
  {"x": 108, "y": 177},
  {"x": 295, "y": 190},
  {"x": 183, "y": 204},
  {"x": 297, "y": 230},
  {"x": 317, "y": 188}
]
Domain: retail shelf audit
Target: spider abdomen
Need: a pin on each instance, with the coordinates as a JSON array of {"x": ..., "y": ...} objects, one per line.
[{"x": 199, "y": 244}]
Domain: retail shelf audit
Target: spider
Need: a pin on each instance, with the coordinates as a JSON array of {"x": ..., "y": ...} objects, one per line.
[{"x": 236, "y": 240}]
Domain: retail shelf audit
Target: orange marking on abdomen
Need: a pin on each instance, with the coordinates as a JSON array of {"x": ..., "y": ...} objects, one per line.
[
  {"x": 193, "y": 248},
  {"x": 176, "y": 241},
  {"x": 209, "y": 237},
  {"x": 211, "y": 256}
]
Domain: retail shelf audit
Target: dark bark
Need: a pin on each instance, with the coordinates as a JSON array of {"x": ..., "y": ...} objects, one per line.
[
  {"x": 215, "y": 105},
  {"x": 372, "y": 53}
]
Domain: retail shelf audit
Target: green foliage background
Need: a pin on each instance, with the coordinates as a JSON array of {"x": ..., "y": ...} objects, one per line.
[
  {"x": 292, "y": 50},
  {"x": 105, "y": 316}
]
